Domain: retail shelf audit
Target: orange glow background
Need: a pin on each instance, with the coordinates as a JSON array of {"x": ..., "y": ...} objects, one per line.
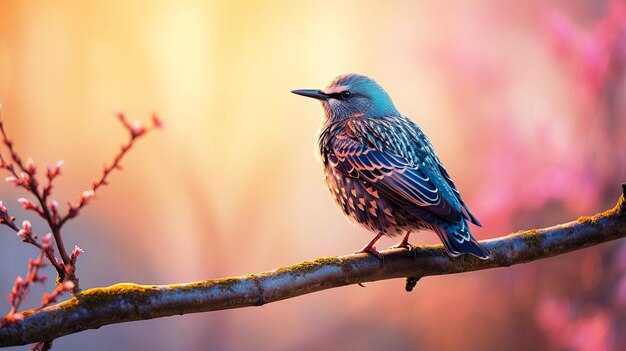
[{"x": 231, "y": 185}]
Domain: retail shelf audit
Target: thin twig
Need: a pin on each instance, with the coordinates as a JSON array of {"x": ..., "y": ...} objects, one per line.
[
  {"x": 29, "y": 181},
  {"x": 9, "y": 221},
  {"x": 135, "y": 130}
]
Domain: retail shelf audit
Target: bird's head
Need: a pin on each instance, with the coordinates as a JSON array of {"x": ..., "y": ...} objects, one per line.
[{"x": 352, "y": 95}]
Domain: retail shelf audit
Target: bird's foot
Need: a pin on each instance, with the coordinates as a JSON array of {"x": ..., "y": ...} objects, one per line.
[
  {"x": 370, "y": 248},
  {"x": 372, "y": 251},
  {"x": 402, "y": 245}
]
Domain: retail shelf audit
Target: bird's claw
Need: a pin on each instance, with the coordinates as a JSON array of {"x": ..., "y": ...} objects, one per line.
[
  {"x": 371, "y": 251},
  {"x": 402, "y": 246}
]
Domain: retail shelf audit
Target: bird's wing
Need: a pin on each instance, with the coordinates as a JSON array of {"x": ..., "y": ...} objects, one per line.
[
  {"x": 402, "y": 136},
  {"x": 392, "y": 175},
  {"x": 466, "y": 212}
]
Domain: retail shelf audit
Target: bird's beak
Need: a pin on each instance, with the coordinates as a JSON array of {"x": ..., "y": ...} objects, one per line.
[{"x": 316, "y": 94}]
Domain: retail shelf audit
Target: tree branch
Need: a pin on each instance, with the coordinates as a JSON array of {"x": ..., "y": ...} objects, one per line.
[{"x": 127, "y": 302}]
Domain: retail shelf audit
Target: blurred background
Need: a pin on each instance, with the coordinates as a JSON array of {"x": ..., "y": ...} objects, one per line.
[{"x": 524, "y": 102}]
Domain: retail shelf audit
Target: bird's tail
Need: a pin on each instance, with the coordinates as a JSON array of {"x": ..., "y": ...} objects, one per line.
[{"x": 458, "y": 240}]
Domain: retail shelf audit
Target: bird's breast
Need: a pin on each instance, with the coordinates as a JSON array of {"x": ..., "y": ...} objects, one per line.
[{"x": 361, "y": 203}]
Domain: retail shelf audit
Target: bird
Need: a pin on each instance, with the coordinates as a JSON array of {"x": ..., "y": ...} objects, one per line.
[{"x": 382, "y": 171}]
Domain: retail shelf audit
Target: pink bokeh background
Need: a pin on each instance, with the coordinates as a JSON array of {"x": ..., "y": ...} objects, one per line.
[{"x": 524, "y": 102}]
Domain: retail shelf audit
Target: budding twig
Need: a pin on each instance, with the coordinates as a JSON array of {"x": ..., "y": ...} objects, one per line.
[
  {"x": 49, "y": 211},
  {"x": 136, "y": 130},
  {"x": 22, "y": 286}
]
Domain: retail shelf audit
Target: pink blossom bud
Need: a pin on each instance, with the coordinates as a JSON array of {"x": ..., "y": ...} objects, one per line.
[
  {"x": 68, "y": 285},
  {"x": 12, "y": 180},
  {"x": 3, "y": 209},
  {"x": 77, "y": 251},
  {"x": 86, "y": 195},
  {"x": 157, "y": 122},
  {"x": 137, "y": 128},
  {"x": 74, "y": 255},
  {"x": 46, "y": 239},
  {"x": 26, "y": 232},
  {"x": 27, "y": 226},
  {"x": 30, "y": 164},
  {"x": 26, "y": 204},
  {"x": 54, "y": 208},
  {"x": 53, "y": 172}
]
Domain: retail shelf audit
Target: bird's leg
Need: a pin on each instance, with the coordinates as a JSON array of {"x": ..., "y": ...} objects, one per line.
[
  {"x": 371, "y": 249},
  {"x": 404, "y": 244}
]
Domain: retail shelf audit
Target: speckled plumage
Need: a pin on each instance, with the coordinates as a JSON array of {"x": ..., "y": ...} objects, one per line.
[{"x": 382, "y": 170}]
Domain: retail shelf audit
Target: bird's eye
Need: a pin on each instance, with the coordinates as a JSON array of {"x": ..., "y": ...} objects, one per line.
[{"x": 345, "y": 94}]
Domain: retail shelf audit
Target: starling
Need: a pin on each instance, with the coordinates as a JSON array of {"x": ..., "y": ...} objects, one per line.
[{"x": 382, "y": 170}]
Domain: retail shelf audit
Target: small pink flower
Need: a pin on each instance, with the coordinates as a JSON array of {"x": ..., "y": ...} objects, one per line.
[
  {"x": 68, "y": 285},
  {"x": 12, "y": 179},
  {"x": 3, "y": 209}
]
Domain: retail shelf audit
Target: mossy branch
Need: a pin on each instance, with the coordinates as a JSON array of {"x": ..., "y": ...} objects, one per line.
[{"x": 127, "y": 302}]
